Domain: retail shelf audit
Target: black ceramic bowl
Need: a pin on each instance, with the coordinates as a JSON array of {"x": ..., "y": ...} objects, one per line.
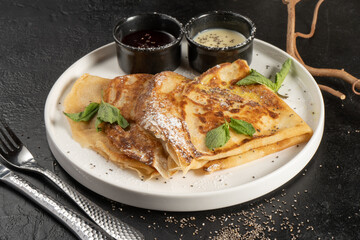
[
  {"x": 148, "y": 59},
  {"x": 202, "y": 57}
]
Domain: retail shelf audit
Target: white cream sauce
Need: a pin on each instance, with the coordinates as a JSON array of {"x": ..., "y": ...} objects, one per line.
[{"x": 219, "y": 37}]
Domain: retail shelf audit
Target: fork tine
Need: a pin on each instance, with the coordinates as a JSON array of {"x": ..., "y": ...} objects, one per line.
[
  {"x": 14, "y": 138},
  {"x": 7, "y": 142},
  {"x": 4, "y": 149}
]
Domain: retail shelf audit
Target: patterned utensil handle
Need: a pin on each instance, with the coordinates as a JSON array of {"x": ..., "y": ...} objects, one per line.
[
  {"x": 76, "y": 223},
  {"x": 111, "y": 225}
]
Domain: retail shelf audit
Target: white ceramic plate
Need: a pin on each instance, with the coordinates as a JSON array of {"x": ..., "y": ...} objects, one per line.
[{"x": 192, "y": 192}]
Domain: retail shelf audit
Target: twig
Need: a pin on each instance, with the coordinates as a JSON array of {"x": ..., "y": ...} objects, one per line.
[
  {"x": 318, "y": 72},
  {"x": 332, "y": 91},
  {"x": 353, "y": 87}
]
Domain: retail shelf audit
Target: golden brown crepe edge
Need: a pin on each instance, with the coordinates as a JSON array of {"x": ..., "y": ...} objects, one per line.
[{"x": 255, "y": 153}]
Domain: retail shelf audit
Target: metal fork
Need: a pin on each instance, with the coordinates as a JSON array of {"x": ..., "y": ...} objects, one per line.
[{"x": 17, "y": 155}]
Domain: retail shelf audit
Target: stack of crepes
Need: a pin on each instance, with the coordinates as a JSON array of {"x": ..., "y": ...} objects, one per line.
[{"x": 170, "y": 115}]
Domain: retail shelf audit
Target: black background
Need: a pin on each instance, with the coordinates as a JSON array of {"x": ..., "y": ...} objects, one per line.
[{"x": 39, "y": 40}]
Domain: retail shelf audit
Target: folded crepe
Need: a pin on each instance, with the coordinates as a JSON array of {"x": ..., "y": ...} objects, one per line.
[
  {"x": 89, "y": 89},
  {"x": 135, "y": 142},
  {"x": 214, "y": 96},
  {"x": 170, "y": 115},
  {"x": 183, "y": 120}
]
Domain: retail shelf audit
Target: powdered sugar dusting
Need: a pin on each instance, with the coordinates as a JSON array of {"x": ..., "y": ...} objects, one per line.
[
  {"x": 224, "y": 105},
  {"x": 166, "y": 126},
  {"x": 175, "y": 122}
]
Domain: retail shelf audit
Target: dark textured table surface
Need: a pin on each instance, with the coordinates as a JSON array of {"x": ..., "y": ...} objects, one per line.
[{"x": 39, "y": 40}]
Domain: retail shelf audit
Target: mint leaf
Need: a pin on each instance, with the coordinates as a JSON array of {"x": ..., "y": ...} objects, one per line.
[
  {"x": 105, "y": 113},
  {"x": 280, "y": 76},
  {"x": 97, "y": 123},
  {"x": 242, "y": 127},
  {"x": 110, "y": 114},
  {"x": 86, "y": 115},
  {"x": 217, "y": 137},
  {"x": 255, "y": 77}
]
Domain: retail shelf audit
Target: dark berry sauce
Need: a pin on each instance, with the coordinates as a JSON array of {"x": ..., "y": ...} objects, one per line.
[{"x": 148, "y": 39}]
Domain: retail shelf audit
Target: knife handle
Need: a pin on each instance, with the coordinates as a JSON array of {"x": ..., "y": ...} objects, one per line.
[
  {"x": 76, "y": 223},
  {"x": 111, "y": 225}
]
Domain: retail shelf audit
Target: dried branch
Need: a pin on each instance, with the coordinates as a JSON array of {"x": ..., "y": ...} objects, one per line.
[
  {"x": 354, "y": 86},
  {"x": 332, "y": 91},
  {"x": 318, "y": 72}
]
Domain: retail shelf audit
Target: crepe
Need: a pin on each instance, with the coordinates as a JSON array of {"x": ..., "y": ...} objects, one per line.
[
  {"x": 124, "y": 93},
  {"x": 159, "y": 111},
  {"x": 170, "y": 115},
  {"x": 183, "y": 120},
  {"x": 90, "y": 89},
  {"x": 216, "y": 97}
]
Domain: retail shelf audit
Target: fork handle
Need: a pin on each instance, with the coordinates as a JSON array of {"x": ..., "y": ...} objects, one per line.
[
  {"x": 111, "y": 225},
  {"x": 76, "y": 223}
]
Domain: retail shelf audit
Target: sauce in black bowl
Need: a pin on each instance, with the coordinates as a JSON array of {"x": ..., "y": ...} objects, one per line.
[
  {"x": 137, "y": 55},
  {"x": 148, "y": 38},
  {"x": 202, "y": 57}
]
